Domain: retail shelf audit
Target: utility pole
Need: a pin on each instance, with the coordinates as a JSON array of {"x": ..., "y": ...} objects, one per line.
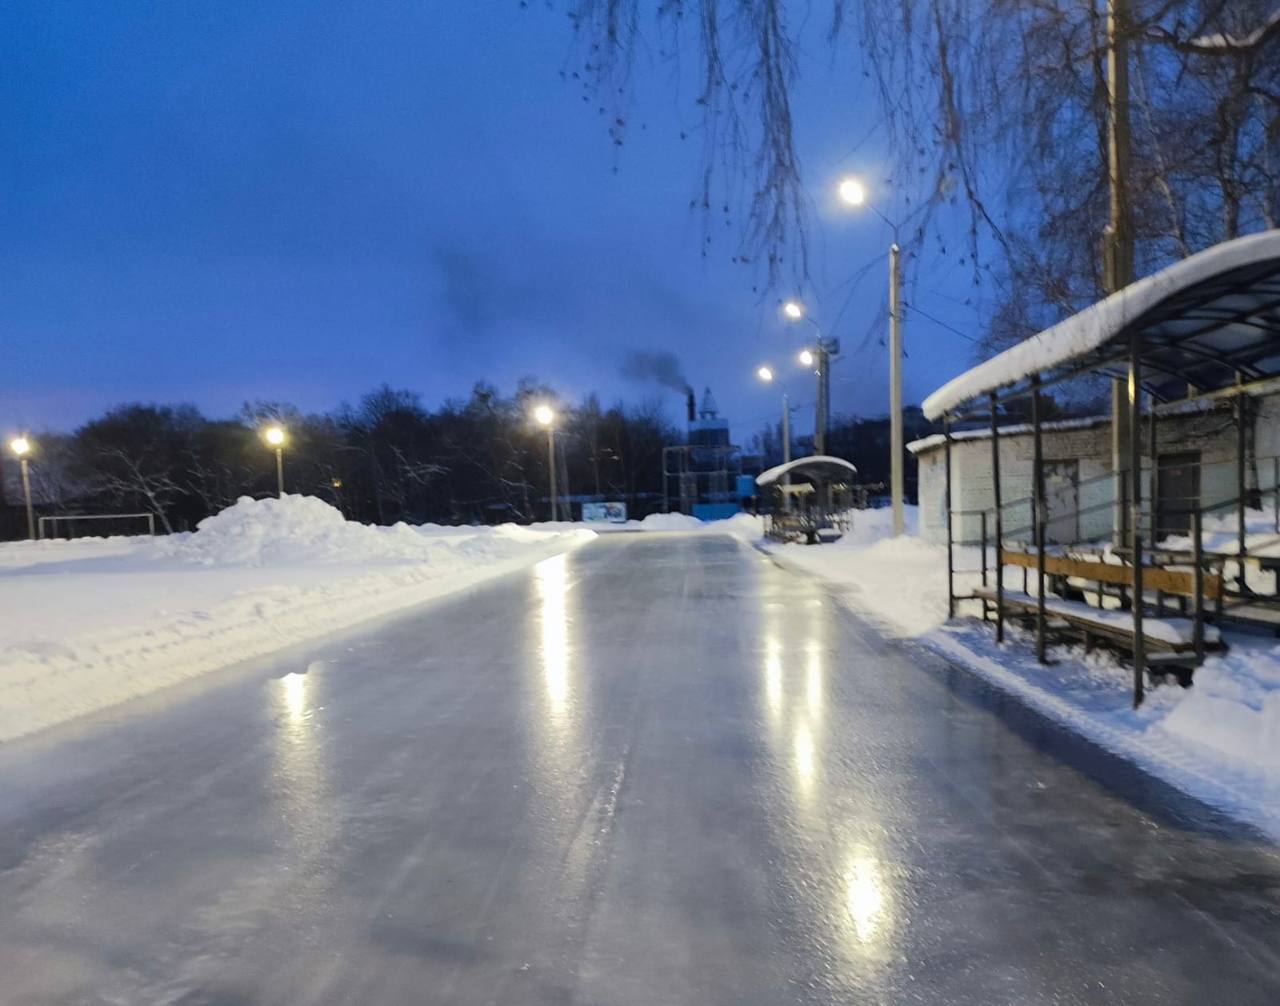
[
  {"x": 26, "y": 492},
  {"x": 786, "y": 430},
  {"x": 824, "y": 389},
  {"x": 551, "y": 458},
  {"x": 895, "y": 392},
  {"x": 1118, "y": 239}
]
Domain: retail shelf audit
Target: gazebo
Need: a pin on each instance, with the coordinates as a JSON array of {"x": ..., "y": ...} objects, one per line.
[
  {"x": 813, "y": 495},
  {"x": 1203, "y": 329}
]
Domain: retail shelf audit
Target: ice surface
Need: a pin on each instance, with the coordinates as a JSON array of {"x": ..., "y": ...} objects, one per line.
[{"x": 1219, "y": 740}]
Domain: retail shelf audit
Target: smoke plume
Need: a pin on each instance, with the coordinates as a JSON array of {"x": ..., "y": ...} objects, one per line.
[{"x": 660, "y": 367}]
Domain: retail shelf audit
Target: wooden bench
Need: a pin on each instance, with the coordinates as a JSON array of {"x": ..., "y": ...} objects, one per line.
[
  {"x": 1173, "y": 636},
  {"x": 1179, "y": 582}
]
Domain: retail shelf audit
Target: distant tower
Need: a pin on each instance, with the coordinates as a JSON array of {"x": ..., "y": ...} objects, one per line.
[{"x": 708, "y": 430}]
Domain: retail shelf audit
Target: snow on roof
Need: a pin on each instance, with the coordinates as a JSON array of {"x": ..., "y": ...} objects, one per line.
[
  {"x": 1189, "y": 406},
  {"x": 1014, "y": 430},
  {"x": 816, "y": 461},
  {"x": 1223, "y": 41},
  {"x": 1096, "y": 324}
]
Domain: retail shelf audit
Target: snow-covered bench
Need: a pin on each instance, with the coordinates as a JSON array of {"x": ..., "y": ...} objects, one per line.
[{"x": 1168, "y": 641}]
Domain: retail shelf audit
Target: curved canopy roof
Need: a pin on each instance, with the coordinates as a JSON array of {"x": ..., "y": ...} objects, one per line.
[
  {"x": 1206, "y": 321},
  {"x": 819, "y": 467}
]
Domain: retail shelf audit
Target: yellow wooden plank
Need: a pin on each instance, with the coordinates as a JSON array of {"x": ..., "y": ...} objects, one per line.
[{"x": 1170, "y": 581}]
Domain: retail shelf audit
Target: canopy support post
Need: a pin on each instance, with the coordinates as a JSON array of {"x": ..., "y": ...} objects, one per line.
[
  {"x": 1152, "y": 450},
  {"x": 1135, "y": 518},
  {"x": 999, "y": 528},
  {"x": 1038, "y": 514},
  {"x": 1241, "y": 450},
  {"x": 951, "y": 565}
]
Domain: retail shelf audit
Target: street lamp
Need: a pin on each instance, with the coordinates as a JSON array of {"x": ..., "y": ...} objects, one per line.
[
  {"x": 545, "y": 415},
  {"x": 820, "y": 359},
  {"x": 854, "y": 193},
  {"x": 21, "y": 446},
  {"x": 275, "y": 436}
]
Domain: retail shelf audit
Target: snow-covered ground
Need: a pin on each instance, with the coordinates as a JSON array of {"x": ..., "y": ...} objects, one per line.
[
  {"x": 92, "y": 622},
  {"x": 1219, "y": 740}
]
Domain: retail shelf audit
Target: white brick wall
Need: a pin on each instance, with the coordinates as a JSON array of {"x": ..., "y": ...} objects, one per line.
[{"x": 1212, "y": 434}]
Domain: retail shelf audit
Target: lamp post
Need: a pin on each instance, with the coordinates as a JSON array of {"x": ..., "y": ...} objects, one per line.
[
  {"x": 820, "y": 358},
  {"x": 853, "y": 193},
  {"x": 21, "y": 446},
  {"x": 766, "y": 374},
  {"x": 546, "y": 416},
  {"x": 275, "y": 436}
]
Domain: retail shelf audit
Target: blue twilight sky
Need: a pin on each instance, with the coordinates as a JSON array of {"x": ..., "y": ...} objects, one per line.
[{"x": 222, "y": 201}]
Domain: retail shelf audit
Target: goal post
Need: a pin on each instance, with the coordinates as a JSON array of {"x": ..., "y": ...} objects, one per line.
[{"x": 95, "y": 525}]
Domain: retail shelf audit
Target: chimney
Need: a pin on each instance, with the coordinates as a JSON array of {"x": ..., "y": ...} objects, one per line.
[{"x": 692, "y": 403}]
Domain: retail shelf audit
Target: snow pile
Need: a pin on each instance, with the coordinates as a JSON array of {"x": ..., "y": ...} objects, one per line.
[
  {"x": 292, "y": 529},
  {"x": 1219, "y": 740},
  {"x": 671, "y": 522},
  {"x": 91, "y": 623}
]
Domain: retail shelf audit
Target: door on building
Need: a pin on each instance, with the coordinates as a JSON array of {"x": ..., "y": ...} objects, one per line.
[
  {"x": 1062, "y": 502},
  {"x": 1177, "y": 492}
]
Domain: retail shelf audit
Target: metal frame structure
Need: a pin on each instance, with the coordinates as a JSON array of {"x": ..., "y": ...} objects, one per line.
[
  {"x": 1201, "y": 334},
  {"x": 54, "y": 518},
  {"x": 720, "y": 480}
]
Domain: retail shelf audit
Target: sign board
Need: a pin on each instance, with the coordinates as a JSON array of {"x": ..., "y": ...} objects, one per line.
[{"x": 604, "y": 513}]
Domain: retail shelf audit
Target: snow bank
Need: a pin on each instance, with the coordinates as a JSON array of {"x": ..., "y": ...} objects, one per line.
[
  {"x": 1219, "y": 740},
  {"x": 97, "y": 622}
]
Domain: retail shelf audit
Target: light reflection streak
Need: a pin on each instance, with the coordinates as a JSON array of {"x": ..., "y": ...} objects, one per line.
[
  {"x": 300, "y": 784},
  {"x": 773, "y": 676},
  {"x": 813, "y": 681},
  {"x": 804, "y": 757},
  {"x": 551, "y": 577},
  {"x": 865, "y": 896}
]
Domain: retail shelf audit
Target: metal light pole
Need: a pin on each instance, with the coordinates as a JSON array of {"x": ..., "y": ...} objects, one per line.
[
  {"x": 895, "y": 393},
  {"x": 767, "y": 375},
  {"x": 275, "y": 436},
  {"x": 854, "y": 193},
  {"x": 21, "y": 446},
  {"x": 820, "y": 358},
  {"x": 546, "y": 416}
]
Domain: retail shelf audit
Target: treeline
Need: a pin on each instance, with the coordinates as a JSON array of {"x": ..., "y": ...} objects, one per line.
[{"x": 386, "y": 459}]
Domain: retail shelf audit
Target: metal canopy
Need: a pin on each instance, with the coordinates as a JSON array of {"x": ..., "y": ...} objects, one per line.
[
  {"x": 1209, "y": 322},
  {"x": 818, "y": 468}
]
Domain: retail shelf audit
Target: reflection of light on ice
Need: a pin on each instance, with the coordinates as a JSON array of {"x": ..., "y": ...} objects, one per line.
[
  {"x": 865, "y": 896},
  {"x": 293, "y": 692},
  {"x": 813, "y": 681},
  {"x": 773, "y": 675},
  {"x": 552, "y": 579},
  {"x": 804, "y": 756}
]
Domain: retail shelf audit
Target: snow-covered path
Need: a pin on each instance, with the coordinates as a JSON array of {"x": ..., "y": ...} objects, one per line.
[{"x": 656, "y": 769}]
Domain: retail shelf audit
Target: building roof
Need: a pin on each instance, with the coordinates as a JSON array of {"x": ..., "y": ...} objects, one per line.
[
  {"x": 1206, "y": 321},
  {"x": 822, "y": 467}
]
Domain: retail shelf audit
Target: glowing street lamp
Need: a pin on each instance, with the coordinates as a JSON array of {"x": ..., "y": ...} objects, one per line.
[
  {"x": 21, "y": 446},
  {"x": 793, "y": 310},
  {"x": 275, "y": 436},
  {"x": 854, "y": 193},
  {"x": 545, "y": 415},
  {"x": 805, "y": 358},
  {"x": 765, "y": 374}
]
